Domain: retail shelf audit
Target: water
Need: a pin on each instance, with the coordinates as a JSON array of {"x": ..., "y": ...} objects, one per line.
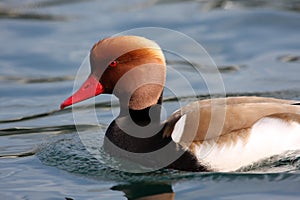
[{"x": 255, "y": 44}]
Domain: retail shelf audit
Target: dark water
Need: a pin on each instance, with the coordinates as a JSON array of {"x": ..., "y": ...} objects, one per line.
[{"x": 255, "y": 44}]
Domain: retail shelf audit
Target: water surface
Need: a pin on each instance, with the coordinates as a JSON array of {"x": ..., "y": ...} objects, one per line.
[{"x": 255, "y": 44}]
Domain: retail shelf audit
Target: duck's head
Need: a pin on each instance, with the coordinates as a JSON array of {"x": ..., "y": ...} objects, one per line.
[{"x": 131, "y": 67}]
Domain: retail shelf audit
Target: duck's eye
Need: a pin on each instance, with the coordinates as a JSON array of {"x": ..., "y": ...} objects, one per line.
[{"x": 113, "y": 63}]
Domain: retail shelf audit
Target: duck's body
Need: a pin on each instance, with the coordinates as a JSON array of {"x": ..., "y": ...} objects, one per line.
[
  {"x": 210, "y": 135},
  {"x": 253, "y": 128}
]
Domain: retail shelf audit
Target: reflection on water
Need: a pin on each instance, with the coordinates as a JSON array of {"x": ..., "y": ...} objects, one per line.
[{"x": 149, "y": 191}]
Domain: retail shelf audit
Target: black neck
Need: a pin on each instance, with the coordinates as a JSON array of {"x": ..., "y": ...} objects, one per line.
[{"x": 145, "y": 116}]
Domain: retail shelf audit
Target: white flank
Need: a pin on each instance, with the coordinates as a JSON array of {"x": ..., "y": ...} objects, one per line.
[
  {"x": 178, "y": 129},
  {"x": 268, "y": 137}
]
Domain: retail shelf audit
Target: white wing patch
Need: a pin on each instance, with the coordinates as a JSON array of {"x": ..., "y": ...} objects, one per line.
[
  {"x": 268, "y": 137},
  {"x": 178, "y": 129}
]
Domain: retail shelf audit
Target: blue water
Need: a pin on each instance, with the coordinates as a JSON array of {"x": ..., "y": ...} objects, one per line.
[{"x": 255, "y": 44}]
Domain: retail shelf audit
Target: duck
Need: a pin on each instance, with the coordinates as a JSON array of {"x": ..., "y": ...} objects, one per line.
[{"x": 218, "y": 134}]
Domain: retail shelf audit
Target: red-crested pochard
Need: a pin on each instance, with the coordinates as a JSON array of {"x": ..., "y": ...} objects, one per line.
[{"x": 222, "y": 134}]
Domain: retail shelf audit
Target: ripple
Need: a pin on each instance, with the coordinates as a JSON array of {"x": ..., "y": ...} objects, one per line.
[
  {"x": 286, "y": 162},
  {"x": 57, "y": 129},
  {"x": 23, "y": 10},
  {"x": 28, "y": 80},
  {"x": 205, "y": 68},
  {"x": 289, "y": 58},
  {"x": 67, "y": 152},
  {"x": 19, "y": 155}
]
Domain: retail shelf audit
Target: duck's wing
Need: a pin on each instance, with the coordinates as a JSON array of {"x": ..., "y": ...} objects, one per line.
[{"x": 208, "y": 119}]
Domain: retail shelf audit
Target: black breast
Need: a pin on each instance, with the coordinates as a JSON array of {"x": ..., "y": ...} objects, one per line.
[{"x": 122, "y": 145}]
